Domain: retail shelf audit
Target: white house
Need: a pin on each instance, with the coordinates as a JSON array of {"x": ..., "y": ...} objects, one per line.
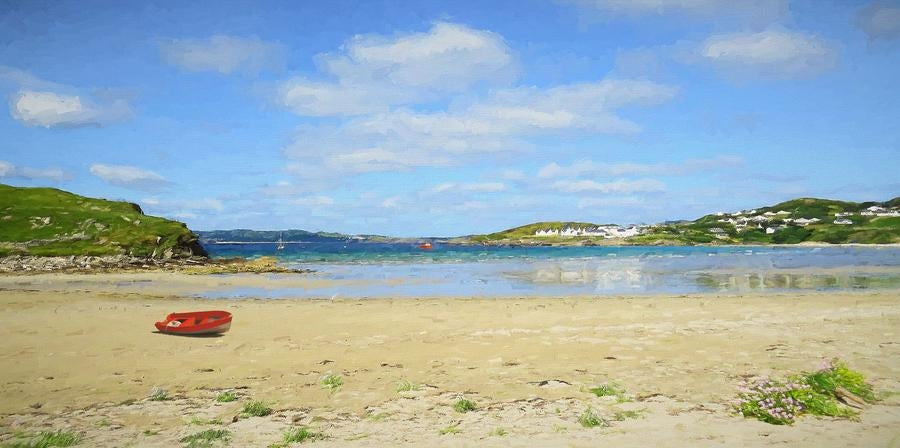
[
  {"x": 843, "y": 221},
  {"x": 805, "y": 222}
]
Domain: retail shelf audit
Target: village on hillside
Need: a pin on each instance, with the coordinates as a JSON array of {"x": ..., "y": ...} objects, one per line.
[{"x": 769, "y": 221}]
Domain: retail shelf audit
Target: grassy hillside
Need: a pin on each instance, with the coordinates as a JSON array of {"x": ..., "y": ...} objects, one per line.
[
  {"x": 51, "y": 222},
  {"x": 779, "y": 220},
  {"x": 529, "y": 229}
]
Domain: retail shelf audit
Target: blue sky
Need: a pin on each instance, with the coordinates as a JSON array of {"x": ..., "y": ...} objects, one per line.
[{"x": 449, "y": 118}]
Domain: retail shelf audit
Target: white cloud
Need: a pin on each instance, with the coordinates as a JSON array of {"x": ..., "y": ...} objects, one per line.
[
  {"x": 756, "y": 11},
  {"x": 374, "y": 73},
  {"x": 473, "y": 187},
  {"x": 618, "y": 186},
  {"x": 129, "y": 177},
  {"x": 501, "y": 123},
  {"x": 9, "y": 170},
  {"x": 770, "y": 53},
  {"x": 49, "y": 109},
  {"x": 880, "y": 20},
  {"x": 223, "y": 54},
  {"x": 312, "y": 201},
  {"x": 591, "y": 168}
]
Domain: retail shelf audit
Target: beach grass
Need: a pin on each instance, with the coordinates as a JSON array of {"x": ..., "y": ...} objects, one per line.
[
  {"x": 226, "y": 397},
  {"x": 204, "y": 421},
  {"x": 463, "y": 405},
  {"x": 498, "y": 432},
  {"x": 256, "y": 409},
  {"x": 206, "y": 439},
  {"x": 620, "y": 416},
  {"x": 299, "y": 434},
  {"x": 407, "y": 386},
  {"x": 45, "y": 439},
  {"x": 159, "y": 395},
  {"x": 450, "y": 429},
  {"x": 332, "y": 382},
  {"x": 610, "y": 390},
  {"x": 590, "y": 419}
]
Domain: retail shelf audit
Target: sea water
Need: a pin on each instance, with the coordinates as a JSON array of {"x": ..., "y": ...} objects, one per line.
[{"x": 358, "y": 269}]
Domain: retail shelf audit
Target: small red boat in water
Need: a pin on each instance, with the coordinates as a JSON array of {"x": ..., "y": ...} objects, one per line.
[
  {"x": 196, "y": 323},
  {"x": 426, "y": 246}
]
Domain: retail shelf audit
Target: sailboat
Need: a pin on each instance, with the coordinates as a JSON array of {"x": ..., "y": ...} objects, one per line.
[{"x": 280, "y": 243}]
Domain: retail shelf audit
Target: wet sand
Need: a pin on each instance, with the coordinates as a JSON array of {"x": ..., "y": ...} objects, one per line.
[{"x": 85, "y": 357}]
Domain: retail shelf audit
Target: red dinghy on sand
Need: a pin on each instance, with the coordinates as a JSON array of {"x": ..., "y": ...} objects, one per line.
[{"x": 196, "y": 323}]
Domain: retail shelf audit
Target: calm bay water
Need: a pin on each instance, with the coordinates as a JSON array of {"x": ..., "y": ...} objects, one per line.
[{"x": 361, "y": 269}]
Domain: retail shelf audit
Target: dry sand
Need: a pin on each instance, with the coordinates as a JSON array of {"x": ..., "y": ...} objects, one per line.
[{"x": 84, "y": 357}]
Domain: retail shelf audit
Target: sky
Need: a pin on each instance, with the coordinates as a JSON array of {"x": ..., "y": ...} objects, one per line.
[{"x": 427, "y": 118}]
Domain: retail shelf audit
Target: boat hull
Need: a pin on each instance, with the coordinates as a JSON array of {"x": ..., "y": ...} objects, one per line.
[{"x": 196, "y": 323}]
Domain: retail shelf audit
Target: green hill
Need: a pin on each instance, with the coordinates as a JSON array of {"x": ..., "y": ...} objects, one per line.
[
  {"x": 51, "y": 222},
  {"x": 528, "y": 230},
  {"x": 783, "y": 223}
]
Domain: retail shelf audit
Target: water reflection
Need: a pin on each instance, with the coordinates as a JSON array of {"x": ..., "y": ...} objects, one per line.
[{"x": 790, "y": 281}]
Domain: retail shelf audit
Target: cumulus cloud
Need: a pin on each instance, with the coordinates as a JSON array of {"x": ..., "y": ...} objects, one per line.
[
  {"x": 373, "y": 73},
  {"x": 37, "y": 102},
  {"x": 770, "y": 53},
  {"x": 49, "y": 110},
  {"x": 405, "y": 139},
  {"x": 756, "y": 11},
  {"x": 880, "y": 20},
  {"x": 223, "y": 54},
  {"x": 618, "y": 186},
  {"x": 591, "y": 168},
  {"x": 129, "y": 177},
  {"x": 9, "y": 171}
]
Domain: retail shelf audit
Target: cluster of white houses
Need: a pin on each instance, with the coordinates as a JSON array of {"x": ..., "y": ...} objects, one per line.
[
  {"x": 608, "y": 231},
  {"x": 740, "y": 220},
  {"x": 745, "y": 218}
]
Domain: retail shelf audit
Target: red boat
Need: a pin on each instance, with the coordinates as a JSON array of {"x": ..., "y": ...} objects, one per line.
[
  {"x": 425, "y": 246},
  {"x": 196, "y": 322}
]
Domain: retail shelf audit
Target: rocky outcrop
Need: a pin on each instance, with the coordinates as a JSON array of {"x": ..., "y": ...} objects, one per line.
[{"x": 30, "y": 264}]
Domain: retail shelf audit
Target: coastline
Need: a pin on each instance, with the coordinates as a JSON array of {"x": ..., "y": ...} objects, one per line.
[{"x": 76, "y": 355}]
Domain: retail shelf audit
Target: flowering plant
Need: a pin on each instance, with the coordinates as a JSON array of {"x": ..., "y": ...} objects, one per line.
[{"x": 781, "y": 402}]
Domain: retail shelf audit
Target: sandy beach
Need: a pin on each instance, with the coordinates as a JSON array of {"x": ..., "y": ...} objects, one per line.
[{"x": 80, "y": 353}]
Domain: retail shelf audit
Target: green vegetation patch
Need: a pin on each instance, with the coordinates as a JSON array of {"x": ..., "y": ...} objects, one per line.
[
  {"x": 159, "y": 395},
  {"x": 45, "y": 439},
  {"x": 206, "y": 439},
  {"x": 610, "y": 390},
  {"x": 407, "y": 386},
  {"x": 332, "y": 382},
  {"x": 299, "y": 434},
  {"x": 256, "y": 409},
  {"x": 462, "y": 406},
  {"x": 781, "y": 402},
  {"x": 226, "y": 397},
  {"x": 450, "y": 429},
  {"x": 590, "y": 419}
]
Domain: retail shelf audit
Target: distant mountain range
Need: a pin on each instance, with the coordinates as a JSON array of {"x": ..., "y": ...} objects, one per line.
[{"x": 268, "y": 236}]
